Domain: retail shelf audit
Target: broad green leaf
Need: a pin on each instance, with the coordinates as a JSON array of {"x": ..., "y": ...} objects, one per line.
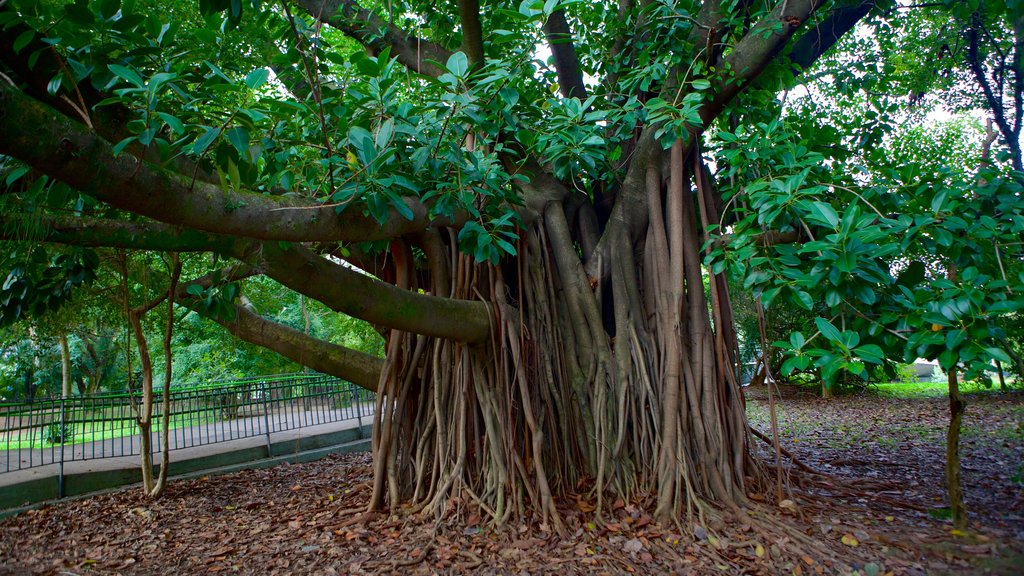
[
  {"x": 23, "y": 39},
  {"x": 257, "y": 78},
  {"x": 871, "y": 353},
  {"x": 803, "y": 299},
  {"x": 16, "y": 174},
  {"x": 826, "y": 213},
  {"x": 999, "y": 354},
  {"x": 54, "y": 85},
  {"x": 204, "y": 141},
  {"x": 122, "y": 144},
  {"x": 239, "y": 138},
  {"x": 458, "y": 65},
  {"x": 827, "y": 330},
  {"x": 176, "y": 126},
  {"x": 127, "y": 74}
]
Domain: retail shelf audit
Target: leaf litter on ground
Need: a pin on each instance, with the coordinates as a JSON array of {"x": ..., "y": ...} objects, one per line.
[{"x": 882, "y": 462}]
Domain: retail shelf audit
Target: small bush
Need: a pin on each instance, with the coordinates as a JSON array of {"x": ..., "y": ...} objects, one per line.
[
  {"x": 906, "y": 374},
  {"x": 57, "y": 433}
]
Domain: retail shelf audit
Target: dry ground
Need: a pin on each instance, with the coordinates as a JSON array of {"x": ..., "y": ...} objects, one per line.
[{"x": 874, "y": 511}]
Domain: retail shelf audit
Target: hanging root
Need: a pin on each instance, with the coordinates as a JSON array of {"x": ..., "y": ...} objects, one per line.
[{"x": 619, "y": 391}]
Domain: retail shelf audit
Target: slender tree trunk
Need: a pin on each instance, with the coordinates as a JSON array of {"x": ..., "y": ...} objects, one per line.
[
  {"x": 154, "y": 487},
  {"x": 954, "y": 488},
  {"x": 65, "y": 366},
  {"x": 144, "y": 415}
]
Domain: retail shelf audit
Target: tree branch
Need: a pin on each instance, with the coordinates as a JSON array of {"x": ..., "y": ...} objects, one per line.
[
  {"x": 338, "y": 287},
  {"x": 55, "y": 145},
  {"x": 748, "y": 59},
  {"x": 567, "y": 63},
  {"x": 994, "y": 101},
  {"x": 356, "y": 367},
  {"x": 472, "y": 35},
  {"x": 369, "y": 30},
  {"x": 816, "y": 41},
  {"x": 97, "y": 232},
  {"x": 345, "y": 290},
  {"x": 108, "y": 121}
]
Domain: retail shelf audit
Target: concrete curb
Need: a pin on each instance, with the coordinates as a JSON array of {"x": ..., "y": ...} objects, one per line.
[{"x": 17, "y": 498}]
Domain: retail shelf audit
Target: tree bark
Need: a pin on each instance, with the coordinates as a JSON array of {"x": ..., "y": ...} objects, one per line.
[
  {"x": 65, "y": 366},
  {"x": 954, "y": 487}
]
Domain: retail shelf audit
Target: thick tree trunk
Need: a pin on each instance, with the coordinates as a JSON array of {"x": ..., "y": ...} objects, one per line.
[{"x": 559, "y": 398}]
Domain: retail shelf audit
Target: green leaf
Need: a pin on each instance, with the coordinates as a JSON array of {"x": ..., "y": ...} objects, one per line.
[
  {"x": 385, "y": 133},
  {"x": 825, "y": 212},
  {"x": 870, "y": 353},
  {"x": 797, "y": 340},
  {"x": 239, "y": 138},
  {"x": 159, "y": 80},
  {"x": 827, "y": 330},
  {"x": 1004, "y": 306},
  {"x": 999, "y": 354},
  {"x": 363, "y": 141},
  {"x": 912, "y": 275},
  {"x": 948, "y": 360},
  {"x": 54, "y": 85},
  {"x": 939, "y": 200},
  {"x": 122, "y": 144},
  {"x": 769, "y": 295},
  {"x": 257, "y": 78},
  {"x": 15, "y": 174},
  {"x": 399, "y": 203},
  {"x": 458, "y": 65},
  {"x": 108, "y": 8},
  {"x": 803, "y": 299},
  {"x": 23, "y": 39},
  {"x": 176, "y": 126},
  {"x": 147, "y": 136},
  {"x": 204, "y": 141},
  {"x": 127, "y": 74}
]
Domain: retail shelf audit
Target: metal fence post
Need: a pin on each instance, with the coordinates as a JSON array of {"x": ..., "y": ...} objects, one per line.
[
  {"x": 63, "y": 439},
  {"x": 358, "y": 405},
  {"x": 266, "y": 416}
]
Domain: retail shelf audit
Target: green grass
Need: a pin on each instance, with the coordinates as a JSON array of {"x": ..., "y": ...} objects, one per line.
[
  {"x": 928, "y": 389},
  {"x": 83, "y": 432}
]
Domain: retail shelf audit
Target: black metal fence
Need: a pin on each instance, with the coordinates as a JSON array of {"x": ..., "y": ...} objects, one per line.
[{"x": 56, "y": 431}]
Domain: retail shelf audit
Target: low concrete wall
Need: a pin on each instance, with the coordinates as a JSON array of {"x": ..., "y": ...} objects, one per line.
[{"x": 16, "y": 498}]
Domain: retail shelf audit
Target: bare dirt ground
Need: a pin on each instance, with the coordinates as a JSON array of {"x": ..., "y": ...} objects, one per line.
[{"x": 873, "y": 511}]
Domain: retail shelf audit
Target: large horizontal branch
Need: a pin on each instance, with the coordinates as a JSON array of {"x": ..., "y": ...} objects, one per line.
[
  {"x": 64, "y": 149},
  {"x": 356, "y": 367},
  {"x": 346, "y": 290},
  {"x": 338, "y": 287},
  {"x": 103, "y": 233},
  {"x": 38, "y": 62},
  {"x": 369, "y": 30}
]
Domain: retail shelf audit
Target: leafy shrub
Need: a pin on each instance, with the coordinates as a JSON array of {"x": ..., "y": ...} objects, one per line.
[{"x": 57, "y": 433}]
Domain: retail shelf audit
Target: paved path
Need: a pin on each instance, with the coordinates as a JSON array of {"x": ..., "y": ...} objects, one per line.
[{"x": 18, "y": 466}]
